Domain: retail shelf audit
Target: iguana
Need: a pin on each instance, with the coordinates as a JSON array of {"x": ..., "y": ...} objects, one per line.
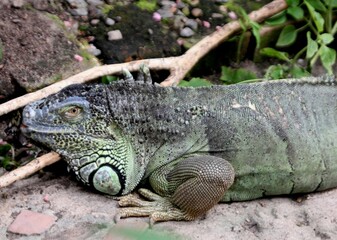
[{"x": 194, "y": 146}]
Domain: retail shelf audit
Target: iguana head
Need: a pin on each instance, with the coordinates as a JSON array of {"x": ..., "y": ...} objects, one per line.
[{"x": 77, "y": 124}]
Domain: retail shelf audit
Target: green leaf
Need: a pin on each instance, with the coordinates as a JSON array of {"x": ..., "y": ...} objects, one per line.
[
  {"x": 312, "y": 46},
  {"x": 147, "y": 5},
  {"x": 230, "y": 75},
  {"x": 276, "y": 72},
  {"x": 317, "y": 5},
  {"x": 109, "y": 79},
  {"x": 293, "y": 3},
  {"x": 332, "y": 3},
  {"x": 317, "y": 17},
  {"x": 4, "y": 149},
  {"x": 195, "y": 82},
  {"x": 287, "y": 36},
  {"x": 298, "y": 72},
  {"x": 326, "y": 38},
  {"x": 271, "y": 52},
  {"x": 256, "y": 32},
  {"x": 328, "y": 58},
  {"x": 296, "y": 12},
  {"x": 277, "y": 19}
]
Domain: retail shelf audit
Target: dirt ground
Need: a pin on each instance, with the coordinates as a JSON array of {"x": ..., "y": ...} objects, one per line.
[{"x": 82, "y": 214}]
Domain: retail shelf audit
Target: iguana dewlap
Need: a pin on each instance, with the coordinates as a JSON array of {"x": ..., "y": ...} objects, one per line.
[{"x": 196, "y": 146}]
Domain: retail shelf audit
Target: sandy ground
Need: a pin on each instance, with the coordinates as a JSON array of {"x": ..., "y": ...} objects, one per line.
[{"x": 82, "y": 214}]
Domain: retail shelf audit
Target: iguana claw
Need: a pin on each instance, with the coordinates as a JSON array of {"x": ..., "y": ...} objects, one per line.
[{"x": 157, "y": 208}]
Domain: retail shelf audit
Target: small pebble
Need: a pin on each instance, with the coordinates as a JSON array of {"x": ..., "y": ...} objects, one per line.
[
  {"x": 17, "y": 3},
  {"x": 194, "y": 2},
  {"x": 94, "y": 21},
  {"x": 217, "y": 15},
  {"x": 232, "y": 15},
  {"x": 179, "y": 22},
  {"x": 115, "y": 35},
  {"x": 166, "y": 2},
  {"x": 78, "y": 7},
  {"x": 118, "y": 18},
  {"x": 196, "y": 12},
  {"x": 165, "y": 12},
  {"x": 95, "y": 2},
  {"x": 223, "y": 9},
  {"x": 109, "y": 22},
  {"x": 191, "y": 23},
  {"x": 92, "y": 49},
  {"x": 181, "y": 5},
  {"x": 186, "y": 32}
]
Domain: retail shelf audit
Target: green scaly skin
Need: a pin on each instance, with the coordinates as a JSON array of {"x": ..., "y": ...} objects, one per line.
[{"x": 275, "y": 138}]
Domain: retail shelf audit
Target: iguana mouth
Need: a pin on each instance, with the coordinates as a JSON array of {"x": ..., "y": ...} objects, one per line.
[{"x": 41, "y": 129}]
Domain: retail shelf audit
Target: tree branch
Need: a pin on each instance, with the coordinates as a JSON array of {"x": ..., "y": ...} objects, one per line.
[{"x": 178, "y": 67}]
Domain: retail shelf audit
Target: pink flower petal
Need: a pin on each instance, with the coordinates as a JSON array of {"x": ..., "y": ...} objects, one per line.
[
  {"x": 78, "y": 58},
  {"x": 232, "y": 15},
  {"x": 156, "y": 16},
  {"x": 206, "y": 24},
  {"x": 67, "y": 24}
]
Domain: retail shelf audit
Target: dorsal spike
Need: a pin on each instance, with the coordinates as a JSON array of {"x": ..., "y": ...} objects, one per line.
[
  {"x": 145, "y": 71},
  {"x": 127, "y": 75}
]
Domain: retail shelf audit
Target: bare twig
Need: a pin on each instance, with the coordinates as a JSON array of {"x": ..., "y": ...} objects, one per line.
[
  {"x": 178, "y": 67},
  {"x": 30, "y": 168}
]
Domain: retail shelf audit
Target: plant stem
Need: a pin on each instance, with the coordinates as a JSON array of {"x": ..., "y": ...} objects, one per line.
[
  {"x": 329, "y": 18},
  {"x": 334, "y": 29},
  {"x": 315, "y": 57},
  {"x": 297, "y": 56}
]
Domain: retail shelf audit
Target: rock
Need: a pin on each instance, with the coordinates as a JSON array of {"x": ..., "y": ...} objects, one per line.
[
  {"x": 17, "y": 3},
  {"x": 118, "y": 18},
  {"x": 40, "y": 4},
  {"x": 78, "y": 7},
  {"x": 181, "y": 5},
  {"x": 95, "y": 2},
  {"x": 179, "y": 22},
  {"x": 166, "y": 11},
  {"x": 94, "y": 21},
  {"x": 29, "y": 222},
  {"x": 94, "y": 11},
  {"x": 109, "y": 22},
  {"x": 166, "y": 2},
  {"x": 217, "y": 15},
  {"x": 194, "y": 2},
  {"x": 196, "y": 12},
  {"x": 4, "y": 3},
  {"x": 186, "y": 32},
  {"x": 191, "y": 23},
  {"x": 92, "y": 49},
  {"x": 115, "y": 35},
  {"x": 40, "y": 47}
]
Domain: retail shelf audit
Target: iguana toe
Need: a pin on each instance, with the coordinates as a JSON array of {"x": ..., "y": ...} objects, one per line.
[{"x": 157, "y": 208}]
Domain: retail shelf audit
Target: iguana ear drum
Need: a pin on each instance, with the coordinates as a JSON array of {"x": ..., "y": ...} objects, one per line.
[{"x": 106, "y": 180}]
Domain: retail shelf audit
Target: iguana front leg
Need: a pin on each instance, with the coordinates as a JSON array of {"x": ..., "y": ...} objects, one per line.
[{"x": 187, "y": 190}]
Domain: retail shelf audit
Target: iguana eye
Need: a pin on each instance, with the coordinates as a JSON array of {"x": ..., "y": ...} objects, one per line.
[{"x": 72, "y": 112}]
